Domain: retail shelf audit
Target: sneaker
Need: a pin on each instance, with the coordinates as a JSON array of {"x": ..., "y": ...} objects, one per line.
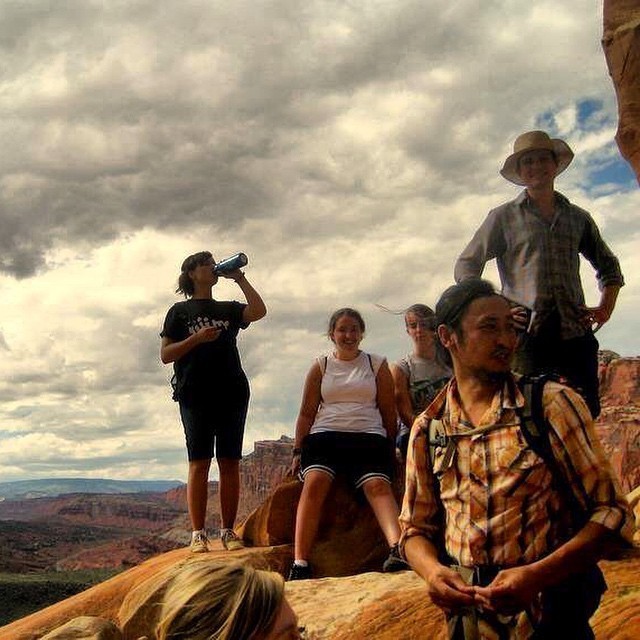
[
  {"x": 230, "y": 540},
  {"x": 199, "y": 542},
  {"x": 394, "y": 562},
  {"x": 298, "y": 572}
]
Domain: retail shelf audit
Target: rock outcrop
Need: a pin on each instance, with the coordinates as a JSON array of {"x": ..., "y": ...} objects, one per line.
[
  {"x": 621, "y": 43},
  {"x": 619, "y": 423},
  {"x": 349, "y": 540},
  {"x": 260, "y": 472},
  {"x": 362, "y": 607}
]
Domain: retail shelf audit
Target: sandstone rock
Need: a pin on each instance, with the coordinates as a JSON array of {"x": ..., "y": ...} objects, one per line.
[
  {"x": 369, "y": 606},
  {"x": 349, "y": 539},
  {"x": 620, "y": 382},
  {"x": 85, "y": 628},
  {"x": 621, "y": 43},
  {"x": 618, "y": 426},
  {"x": 634, "y": 502},
  {"x": 618, "y": 617},
  {"x": 366, "y": 607}
]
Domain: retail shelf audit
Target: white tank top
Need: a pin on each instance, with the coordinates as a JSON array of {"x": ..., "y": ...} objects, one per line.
[{"x": 349, "y": 395}]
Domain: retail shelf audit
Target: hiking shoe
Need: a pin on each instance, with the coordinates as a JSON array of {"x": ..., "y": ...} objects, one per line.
[
  {"x": 230, "y": 540},
  {"x": 394, "y": 562},
  {"x": 199, "y": 542},
  {"x": 298, "y": 572}
]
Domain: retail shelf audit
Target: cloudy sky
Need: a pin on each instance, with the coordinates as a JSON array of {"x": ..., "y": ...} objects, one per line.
[{"x": 349, "y": 148}]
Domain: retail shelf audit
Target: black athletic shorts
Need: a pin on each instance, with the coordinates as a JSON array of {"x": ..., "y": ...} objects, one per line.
[
  {"x": 215, "y": 427},
  {"x": 358, "y": 456}
]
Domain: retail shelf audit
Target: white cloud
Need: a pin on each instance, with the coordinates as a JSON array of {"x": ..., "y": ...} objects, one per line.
[{"x": 349, "y": 149}]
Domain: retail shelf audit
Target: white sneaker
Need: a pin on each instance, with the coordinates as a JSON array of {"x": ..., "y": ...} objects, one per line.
[
  {"x": 199, "y": 542},
  {"x": 230, "y": 540}
]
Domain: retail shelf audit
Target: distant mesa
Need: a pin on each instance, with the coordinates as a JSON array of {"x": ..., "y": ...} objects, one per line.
[{"x": 52, "y": 487}]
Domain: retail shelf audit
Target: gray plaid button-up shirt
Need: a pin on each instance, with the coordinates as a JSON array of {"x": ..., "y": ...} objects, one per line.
[{"x": 539, "y": 261}]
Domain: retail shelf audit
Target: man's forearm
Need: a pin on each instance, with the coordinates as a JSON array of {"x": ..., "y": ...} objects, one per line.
[
  {"x": 422, "y": 555},
  {"x": 609, "y": 296},
  {"x": 586, "y": 547}
]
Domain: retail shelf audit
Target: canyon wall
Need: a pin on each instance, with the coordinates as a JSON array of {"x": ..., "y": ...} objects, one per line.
[{"x": 621, "y": 44}]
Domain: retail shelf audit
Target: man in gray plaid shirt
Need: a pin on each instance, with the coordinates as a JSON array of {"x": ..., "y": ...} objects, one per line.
[{"x": 537, "y": 240}]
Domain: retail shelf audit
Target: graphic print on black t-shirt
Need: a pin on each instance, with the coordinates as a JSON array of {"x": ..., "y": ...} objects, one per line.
[{"x": 197, "y": 323}]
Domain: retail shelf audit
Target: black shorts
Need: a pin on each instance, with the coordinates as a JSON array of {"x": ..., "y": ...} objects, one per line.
[
  {"x": 358, "y": 456},
  {"x": 215, "y": 428}
]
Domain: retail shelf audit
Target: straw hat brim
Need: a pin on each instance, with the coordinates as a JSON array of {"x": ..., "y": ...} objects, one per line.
[{"x": 562, "y": 151}]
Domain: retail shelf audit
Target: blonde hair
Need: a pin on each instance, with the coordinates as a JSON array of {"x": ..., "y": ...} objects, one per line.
[{"x": 216, "y": 601}]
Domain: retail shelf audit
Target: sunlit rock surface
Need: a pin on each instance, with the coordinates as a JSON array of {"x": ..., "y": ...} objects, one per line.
[{"x": 621, "y": 43}]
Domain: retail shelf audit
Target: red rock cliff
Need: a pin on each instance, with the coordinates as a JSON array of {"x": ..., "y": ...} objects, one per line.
[{"x": 621, "y": 43}]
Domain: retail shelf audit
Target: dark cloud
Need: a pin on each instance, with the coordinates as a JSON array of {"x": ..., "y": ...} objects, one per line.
[
  {"x": 349, "y": 148},
  {"x": 122, "y": 116}
]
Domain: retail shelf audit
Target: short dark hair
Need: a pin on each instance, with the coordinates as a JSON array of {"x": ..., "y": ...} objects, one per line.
[
  {"x": 345, "y": 311},
  {"x": 185, "y": 283},
  {"x": 453, "y": 303}
]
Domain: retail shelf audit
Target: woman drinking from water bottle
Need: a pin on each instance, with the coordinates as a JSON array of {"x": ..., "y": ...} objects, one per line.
[{"x": 199, "y": 338}]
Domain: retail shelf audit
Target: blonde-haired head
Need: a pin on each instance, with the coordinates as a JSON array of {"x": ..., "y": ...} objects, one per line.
[{"x": 220, "y": 601}]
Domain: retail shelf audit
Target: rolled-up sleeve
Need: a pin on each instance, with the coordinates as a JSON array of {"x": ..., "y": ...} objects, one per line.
[
  {"x": 420, "y": 514},
  {"x": 579, "y": 452},
  {"x": 598, "y": 253}
]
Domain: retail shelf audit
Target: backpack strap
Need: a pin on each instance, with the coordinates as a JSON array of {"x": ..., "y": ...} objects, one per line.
[
  {"x": 584, "y": 588},
  {"x": 436, "y": 437},
  {"x": 535, "y": 429}
]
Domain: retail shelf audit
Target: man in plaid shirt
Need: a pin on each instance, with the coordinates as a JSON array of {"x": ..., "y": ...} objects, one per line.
[
  {"x": 482, "y": 520},
  {"x": 537, "y": 240}
]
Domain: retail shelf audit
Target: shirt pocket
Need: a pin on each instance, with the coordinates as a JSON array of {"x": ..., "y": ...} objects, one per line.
[{"x": 521, "y": 470}]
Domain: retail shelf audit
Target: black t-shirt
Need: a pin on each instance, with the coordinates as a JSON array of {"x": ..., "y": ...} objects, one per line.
[{"x": 209, "y": 365}]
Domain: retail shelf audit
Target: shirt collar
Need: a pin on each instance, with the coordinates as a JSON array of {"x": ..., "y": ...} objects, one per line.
[
  {"x": 508, "y": 398},
  {"x": 523, "y": 199}
]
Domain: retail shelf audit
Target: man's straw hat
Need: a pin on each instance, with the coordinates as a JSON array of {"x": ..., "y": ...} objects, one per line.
[{"x": 530, "y": 141}]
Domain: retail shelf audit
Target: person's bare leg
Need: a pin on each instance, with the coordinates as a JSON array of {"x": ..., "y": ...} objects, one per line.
[
  {"x": 198, "y": 492},
  {"x": 314, "y": 492},
  {"x": 229, "y": 490},
  {"x": 380, "y": 496}
]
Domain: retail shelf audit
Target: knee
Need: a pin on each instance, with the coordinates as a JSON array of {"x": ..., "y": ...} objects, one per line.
[
  {"x": 228, "y": 466},
  {"x": 199, "y": 468},
  {"x": 376, "y": 487},
  {"x": 316, "y": 486}
]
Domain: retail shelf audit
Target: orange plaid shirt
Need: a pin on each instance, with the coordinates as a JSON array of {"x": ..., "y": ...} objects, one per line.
[{"x": 492, "y": 494}]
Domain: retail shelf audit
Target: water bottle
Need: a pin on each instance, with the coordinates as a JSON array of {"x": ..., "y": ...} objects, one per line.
[{"x": 236, "y": 261}]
